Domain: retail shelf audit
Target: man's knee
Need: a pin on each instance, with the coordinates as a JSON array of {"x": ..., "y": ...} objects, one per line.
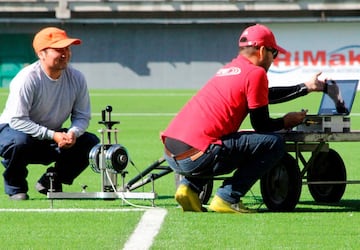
[
  {"x": 90, "y": 139},
  {"x": 14, "y": 140},
  {"x": 277, "y": 146},
  {"x": 275, "y": 142}
]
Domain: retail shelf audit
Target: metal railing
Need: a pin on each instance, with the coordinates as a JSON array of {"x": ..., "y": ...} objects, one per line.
[{"x": 67, "y": 9}]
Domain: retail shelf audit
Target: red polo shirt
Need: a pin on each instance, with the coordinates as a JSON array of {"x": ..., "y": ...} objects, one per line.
[{"x": 220, "y": 107}]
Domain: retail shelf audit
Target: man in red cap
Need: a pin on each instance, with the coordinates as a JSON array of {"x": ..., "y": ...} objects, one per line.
[
  {"x": 42, "y": 97},
  {"x": 204, "y": 140}
]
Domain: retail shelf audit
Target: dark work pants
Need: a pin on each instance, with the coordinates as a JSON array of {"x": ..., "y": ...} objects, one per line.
[
  {"x": 248, "y": 155},
  {"x": 19, "y": 149}
]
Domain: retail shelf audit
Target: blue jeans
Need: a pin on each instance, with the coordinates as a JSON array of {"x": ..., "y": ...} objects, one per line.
[
  {"x": 248, "y": 154},
  {"x": 19, "y": 149}
]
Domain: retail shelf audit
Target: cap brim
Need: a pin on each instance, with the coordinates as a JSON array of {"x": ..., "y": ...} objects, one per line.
[
  {"x": 65, "y": 43},
  {"x": 281, "y": 49}
]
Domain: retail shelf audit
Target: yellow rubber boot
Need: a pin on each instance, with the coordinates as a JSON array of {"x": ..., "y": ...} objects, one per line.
[
  {"x": 188, "y": 199},
  {"x": 221, "y": 206}
]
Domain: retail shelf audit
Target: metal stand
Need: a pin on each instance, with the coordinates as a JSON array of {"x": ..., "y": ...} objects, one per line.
[{"x": 109, "y": 160}]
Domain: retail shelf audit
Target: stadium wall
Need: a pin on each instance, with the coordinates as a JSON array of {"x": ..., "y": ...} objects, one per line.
[{"x": 155, "y": 55}]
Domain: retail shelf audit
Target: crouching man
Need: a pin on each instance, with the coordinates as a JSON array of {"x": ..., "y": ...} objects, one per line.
[{"x": 42, "y": 97}]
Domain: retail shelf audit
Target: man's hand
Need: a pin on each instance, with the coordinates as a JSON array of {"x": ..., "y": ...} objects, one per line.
[
  {"x": 293, "y": 119},
  {"x": 314, "y": 84},
  {"x": 334, "y": 92},
  {"x": 65, "y": 140}
]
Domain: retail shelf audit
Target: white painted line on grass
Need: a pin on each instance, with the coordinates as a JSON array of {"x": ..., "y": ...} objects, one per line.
[
  {"x": 68, "y": 210},
  {"x": 173, "y": 114},
  {"x": 147, "y": 229},
  {"x": 140, "y": 94},
  {"x": 278, "y": 114},
  {"x": 137, "y": 114}
]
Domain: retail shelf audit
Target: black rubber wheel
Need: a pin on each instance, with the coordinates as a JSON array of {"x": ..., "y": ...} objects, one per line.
[
  {"x": 281, "y": 186},
  {"x": 206, "y": 191},
  {"x": 328, "y": 166}
]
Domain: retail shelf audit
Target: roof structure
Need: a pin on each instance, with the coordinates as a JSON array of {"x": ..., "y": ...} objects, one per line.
[{"x": 180, "y": 11}]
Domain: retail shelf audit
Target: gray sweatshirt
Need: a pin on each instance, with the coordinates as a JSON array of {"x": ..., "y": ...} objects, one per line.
[{"x": 38, "y": 105}]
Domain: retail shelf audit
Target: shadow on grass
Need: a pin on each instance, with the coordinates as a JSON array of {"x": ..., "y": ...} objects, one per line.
[
  {"x": 165, "y": 197},
  {"x": 305, "y": 206},
  {"x": 344, "y": 206},
  {"x": 341, "y": 206}
]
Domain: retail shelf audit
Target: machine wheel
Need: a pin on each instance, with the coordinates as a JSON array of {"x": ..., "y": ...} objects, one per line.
[
  {"x": 206, "y": 192},
  {"x": 328, "y": 166},
  {"x": 281, "y": 186}
]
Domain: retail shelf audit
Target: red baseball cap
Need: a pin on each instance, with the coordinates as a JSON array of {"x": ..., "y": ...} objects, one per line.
[
  {"x": 52, "y": 37},
  {"x": 259, "y": 35}
]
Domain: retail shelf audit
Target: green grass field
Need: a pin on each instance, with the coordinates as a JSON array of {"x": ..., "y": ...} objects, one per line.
[{"x": 143, "y": 114}]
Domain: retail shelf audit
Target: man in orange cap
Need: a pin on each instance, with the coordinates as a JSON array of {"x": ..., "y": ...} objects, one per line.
[
  {"x": 204, "y": 140},
  {"x": 42, "y": 97}
]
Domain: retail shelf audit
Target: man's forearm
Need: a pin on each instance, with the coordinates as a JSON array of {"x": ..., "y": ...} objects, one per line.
[
  {"x": 31, "y": 128},
  {"x": 284, "y": 94}
]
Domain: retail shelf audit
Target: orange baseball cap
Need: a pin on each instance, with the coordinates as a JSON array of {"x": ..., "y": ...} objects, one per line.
[
  {"x": 259, "y": 35},
  {"x": 52, "y": 37}
]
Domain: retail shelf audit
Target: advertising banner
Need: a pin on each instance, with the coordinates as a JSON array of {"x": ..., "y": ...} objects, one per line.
[{"x": 330, "y": 48}]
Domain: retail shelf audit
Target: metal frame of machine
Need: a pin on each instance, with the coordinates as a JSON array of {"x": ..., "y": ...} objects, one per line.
[{"x": 109, "y": 159}]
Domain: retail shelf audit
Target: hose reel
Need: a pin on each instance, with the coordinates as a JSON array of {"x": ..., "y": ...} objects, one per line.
[{"x": 116, "y": 158}]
